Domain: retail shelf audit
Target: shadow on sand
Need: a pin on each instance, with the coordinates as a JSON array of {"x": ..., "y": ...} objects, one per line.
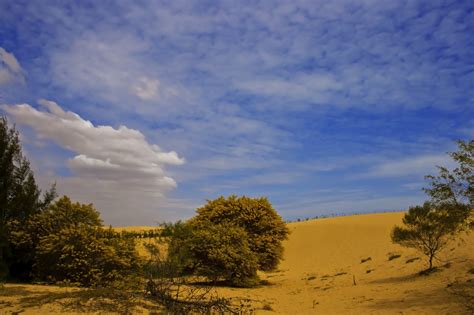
[
  {"x": 85, "y": 300},
  {"x": 393, "y": 280}
]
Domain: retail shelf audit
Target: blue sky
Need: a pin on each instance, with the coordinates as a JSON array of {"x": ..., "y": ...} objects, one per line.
[{"x": 148, "y": 108}]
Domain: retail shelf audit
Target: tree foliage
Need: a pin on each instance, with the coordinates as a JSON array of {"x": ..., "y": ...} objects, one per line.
[
  {"x": 66, "y": 243},
  {"x": 20, "y": 196},
  {"x": 455, "y": 186},
  {"x": 430, "y": 227},
  {"x": 256, "y": 216},
  {"x": 217, "y": 251},
  {"x": 230, "y": 238}
]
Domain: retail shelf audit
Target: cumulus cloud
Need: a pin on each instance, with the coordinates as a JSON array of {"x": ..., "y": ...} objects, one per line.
[
  {"x": 116, "y": 162},
  {"x": 10, "y": 69}
]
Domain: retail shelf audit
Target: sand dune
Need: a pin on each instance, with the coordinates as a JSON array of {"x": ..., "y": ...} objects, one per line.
[{"x": 324, "y": 257}]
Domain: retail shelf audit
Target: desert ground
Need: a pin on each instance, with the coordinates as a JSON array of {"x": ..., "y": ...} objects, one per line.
[{"x": 340, "y": 265}]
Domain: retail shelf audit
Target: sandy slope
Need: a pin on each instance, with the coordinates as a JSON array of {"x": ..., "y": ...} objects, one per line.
[{"x": 323, "y": 258}]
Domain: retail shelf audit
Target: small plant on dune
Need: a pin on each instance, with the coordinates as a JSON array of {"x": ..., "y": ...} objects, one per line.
[
  {"x": 412, "y": 260},
  {"x": 429, "y": 228},
  {"x": 267, "y": 307},
  {"x": 363, "y": 260},
  {"x": 393, "y": 256}
]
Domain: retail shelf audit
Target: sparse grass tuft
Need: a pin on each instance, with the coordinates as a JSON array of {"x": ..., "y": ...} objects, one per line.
[
  {"x": 412, "y": 260},
  {"x": 394, "y": 256},
  {"x": 267, "y": 307},
  {"x": 365, "y": 260}
]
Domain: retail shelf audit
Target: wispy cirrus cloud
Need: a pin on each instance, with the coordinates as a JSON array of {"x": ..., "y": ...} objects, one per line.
[
  {"x": 411, "y": 166},
  {"x": 10, "y": 69},
  {"x": 113, "y": 67},
  {"x": 346, "y": 54}
]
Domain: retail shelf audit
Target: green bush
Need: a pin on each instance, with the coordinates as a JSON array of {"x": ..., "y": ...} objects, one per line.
[
  {"x": 264, "y": 227},
  {"x": 67, "y": 246},
  {"x": 219, "y": 251},
  {"x": 229, "y": 239}
]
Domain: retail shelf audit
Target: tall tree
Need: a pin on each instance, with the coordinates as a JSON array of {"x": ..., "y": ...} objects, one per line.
[{"x": 20, "y": 196}]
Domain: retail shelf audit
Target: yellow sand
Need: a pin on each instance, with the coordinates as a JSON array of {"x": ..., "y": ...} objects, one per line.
[{"x": 323, "y": 258}]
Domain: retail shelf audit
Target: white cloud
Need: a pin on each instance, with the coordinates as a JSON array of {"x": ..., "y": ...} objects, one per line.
[
  {"x": 314, "y": 87},
  {"x": 10, "y": 69},
  {"x": 146, "y": 88},
  {"x": 113, "y": 67},
  {"x": 115, "y": 168},
  {"x": 10, "y": 60},
  {"x": 416, "y": 165}
]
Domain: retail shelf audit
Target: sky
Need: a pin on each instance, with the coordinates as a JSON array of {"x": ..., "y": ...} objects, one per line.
[{"x": 149, "y": 108}]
